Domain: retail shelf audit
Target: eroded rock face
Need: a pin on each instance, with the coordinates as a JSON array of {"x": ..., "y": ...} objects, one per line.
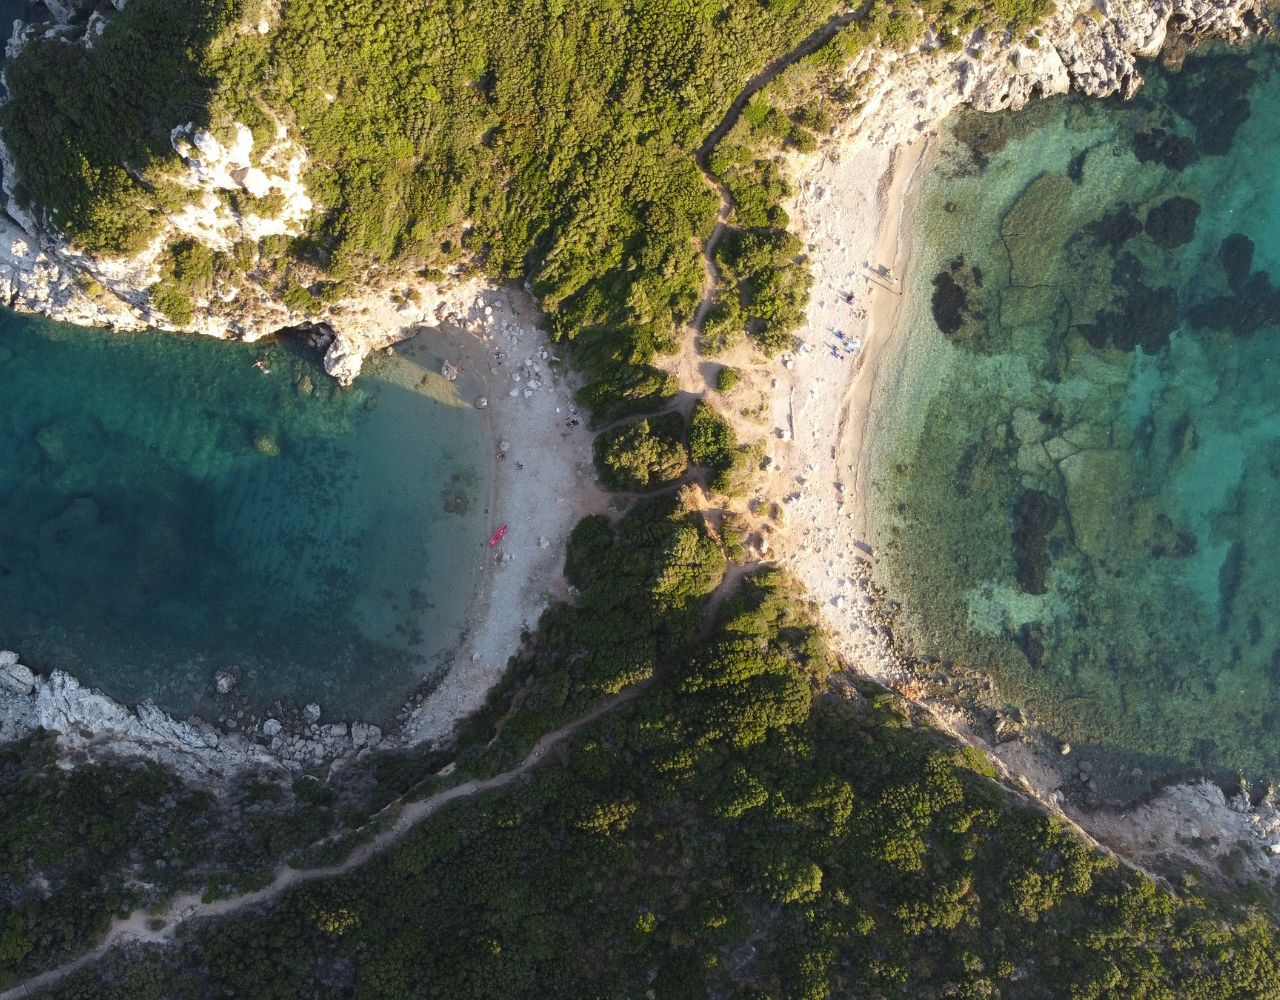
[
  {"x": 14, "y": 677},
  {"x": 1075, "y": 49},
  {"x": 87, "y": 720}
]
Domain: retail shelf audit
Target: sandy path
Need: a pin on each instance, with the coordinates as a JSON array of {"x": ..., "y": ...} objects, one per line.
[{"x": 189, "y": 907}]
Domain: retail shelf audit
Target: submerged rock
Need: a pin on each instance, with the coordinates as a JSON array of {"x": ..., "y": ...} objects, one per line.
[
  {"x": 1036, "y": 228},
  {"x": 1035, "y": 515},
  {"x": 1100, "y": 501},
  {"x": 949, "y": 301},
  {"x": 1236, "y": 256},
  {"x": 1146, "y": 319},
  {"x": 1177, "y": 152},
  {"x": 1115, "y": 228},
  {"x": 1212, "y": 93},
  {"x": 959, "y": 320},
  {"x": 1230, "y": 576},
  {"x": 1256, "y": 305},
  {"x": 266, "y": 444},
  {"x": 1167, "y": 541},
  {"x": 225, "y": 680},
  {"x": 1172, "y": 223}
]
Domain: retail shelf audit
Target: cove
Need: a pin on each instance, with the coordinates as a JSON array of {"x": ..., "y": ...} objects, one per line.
[
  {"x": 1076, "y": 469},
  {"x": 169, "y": 510}
]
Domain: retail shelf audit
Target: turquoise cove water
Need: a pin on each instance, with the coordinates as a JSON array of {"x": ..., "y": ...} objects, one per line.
[
  {"x": 168, "y": 510},
  {"x": 1076, "y": 484}
]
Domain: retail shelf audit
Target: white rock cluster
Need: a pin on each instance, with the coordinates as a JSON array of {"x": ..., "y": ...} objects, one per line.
[
  {"x": 213, "y": 168},
  {"x": 86, "y": 719},
  {"x": 1086, "y": 47}
]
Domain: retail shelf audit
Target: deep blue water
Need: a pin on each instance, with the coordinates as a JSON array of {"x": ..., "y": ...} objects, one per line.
[
  {"x": 1078, "y": 489},
  {"x": 167, "y": 510}
]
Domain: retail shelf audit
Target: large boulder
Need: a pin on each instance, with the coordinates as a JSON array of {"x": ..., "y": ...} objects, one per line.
[{"x": 14, "y": 677}]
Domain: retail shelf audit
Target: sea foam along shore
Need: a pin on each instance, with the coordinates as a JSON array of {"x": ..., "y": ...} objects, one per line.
[
  {"x": 541, "y": 488},
  {"x": 851, "y": 208}
]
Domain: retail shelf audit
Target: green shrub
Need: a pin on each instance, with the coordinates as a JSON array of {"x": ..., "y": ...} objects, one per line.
[
  {"x": 188, "y": 273},
  {"x": 643, "y": 454},
  {"x": 170, "y": 299},
  {"x": 727, "y": 379},
  {"x": 711, "y": 438},
  {"x": 770, "y": 280}
]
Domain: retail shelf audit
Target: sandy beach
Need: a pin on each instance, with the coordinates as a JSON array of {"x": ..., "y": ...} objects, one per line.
[
  {"x": 541, "y": 488},
  {"x": 851, "y": 209}
]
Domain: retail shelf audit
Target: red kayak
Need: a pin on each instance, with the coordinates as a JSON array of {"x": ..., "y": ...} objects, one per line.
[{"x": 497, "y": 536}]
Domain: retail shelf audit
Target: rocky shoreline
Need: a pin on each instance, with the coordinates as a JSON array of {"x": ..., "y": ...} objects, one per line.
[
  {"x": 1093, "y": 49},
  {"x": 90, "y": 722},
  {"x": 1164, "y": 827}
]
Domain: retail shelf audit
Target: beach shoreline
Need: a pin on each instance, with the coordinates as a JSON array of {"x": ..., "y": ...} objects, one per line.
[
  {"x": 853, "y": 210},
  {"x": 540, "y": 489},
  {"x": 826, "y": 539}
]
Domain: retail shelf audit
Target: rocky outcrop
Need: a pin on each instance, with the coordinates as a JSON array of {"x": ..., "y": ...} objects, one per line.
[
  {"x": 268, "y": 182},
  {"x": 88, "y": 721},
  {"x": 1092, "y": 48},
  {"x": 1197, "y": 825},
  {"x": 240, "y": 190}
]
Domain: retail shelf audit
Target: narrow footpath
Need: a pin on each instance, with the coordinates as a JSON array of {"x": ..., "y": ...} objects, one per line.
[
  {"x": 811, "y": 44},
  {"x": 137, "y": 926}
]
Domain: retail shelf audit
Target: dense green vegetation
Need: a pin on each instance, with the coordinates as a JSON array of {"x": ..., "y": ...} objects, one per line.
[
  {"x": 749, "y": 825},
  {"x": 89, "y": 128},
  {"x": 642, "y": 583},
  {"x": 713, "y": 443},
  {"x": 550, "y": 141},
  {"x": 764, "y": 288},
  {"x": 544, "y": 140},
  {"x": 59, "y": 830},
  {"x": 82, "y": 845},
  {"x": 642, "y": 454}
]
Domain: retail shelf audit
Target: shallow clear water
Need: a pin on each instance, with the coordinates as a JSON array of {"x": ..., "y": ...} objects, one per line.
[
  {"x": 1076, "y": 482},
  {"x": 167, "y": 510}
]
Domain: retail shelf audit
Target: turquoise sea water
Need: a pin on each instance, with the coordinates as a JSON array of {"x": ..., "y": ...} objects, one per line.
[
  {"x": 167, "y": 510},
  {"x": 1076, "y": 483}
]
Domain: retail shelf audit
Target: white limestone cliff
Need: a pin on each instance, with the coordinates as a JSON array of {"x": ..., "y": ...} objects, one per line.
[{"x": 1093, "y": 48}]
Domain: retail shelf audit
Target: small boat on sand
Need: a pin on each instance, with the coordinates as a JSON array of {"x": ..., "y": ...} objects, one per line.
[{"x": 497, "y": 536}]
